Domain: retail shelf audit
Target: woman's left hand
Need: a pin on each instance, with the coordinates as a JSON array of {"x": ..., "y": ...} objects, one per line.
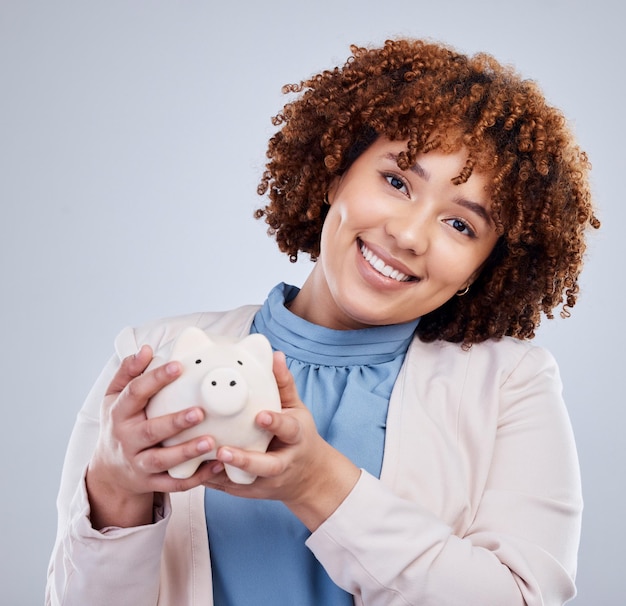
[{"x": 300, "y": 468}]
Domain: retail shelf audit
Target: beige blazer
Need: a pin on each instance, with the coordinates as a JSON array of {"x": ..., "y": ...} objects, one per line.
[{"x": 479, "y": 500}]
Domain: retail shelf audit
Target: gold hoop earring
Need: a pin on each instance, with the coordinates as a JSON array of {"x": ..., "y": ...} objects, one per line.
[
  {"x": 462, "y": 293},
  {"x": 326, "y": 199}
]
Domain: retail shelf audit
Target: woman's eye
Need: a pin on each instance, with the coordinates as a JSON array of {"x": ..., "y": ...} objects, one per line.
[
  {"x": 462, "y": 227},
  {"x": 396, "y": 183}
]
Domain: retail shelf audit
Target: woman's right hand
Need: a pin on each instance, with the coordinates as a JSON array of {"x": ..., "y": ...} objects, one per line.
[{"x": 128, "y": 465}]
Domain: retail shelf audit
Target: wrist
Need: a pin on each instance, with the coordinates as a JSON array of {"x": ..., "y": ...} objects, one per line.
[
  {"x": 328, "y": 488},
  {"x": 111, "y": 505}
]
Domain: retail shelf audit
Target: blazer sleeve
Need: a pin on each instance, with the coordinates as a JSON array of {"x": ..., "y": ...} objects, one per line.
[
  {"x": 521, "y": 544},
  {"x": 114, "y": 565},
  {"x": 118, "y": 565}
]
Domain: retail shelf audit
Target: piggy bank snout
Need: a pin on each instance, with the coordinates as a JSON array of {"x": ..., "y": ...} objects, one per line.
[{"x": 224, "y": 391}]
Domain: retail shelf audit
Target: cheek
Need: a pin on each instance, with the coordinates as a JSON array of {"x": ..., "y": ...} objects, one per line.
[
  {"x": 357, "y": 207},
  {"x": 340, "y": 229},
  {"x": 453, "y": 266},
  {"x": 329, "y": 231}
]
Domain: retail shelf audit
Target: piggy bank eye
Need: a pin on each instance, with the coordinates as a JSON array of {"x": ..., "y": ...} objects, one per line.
[
  {"x": 240, "y": 362},
  {"x": 198, "y": 361}
]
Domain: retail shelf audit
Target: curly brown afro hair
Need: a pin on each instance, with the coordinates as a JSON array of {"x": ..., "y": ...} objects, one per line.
[{"x": 432, "y": 96}]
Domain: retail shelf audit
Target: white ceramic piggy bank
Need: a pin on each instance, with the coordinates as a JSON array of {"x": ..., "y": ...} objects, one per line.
[{"x": 232, "y": 381}]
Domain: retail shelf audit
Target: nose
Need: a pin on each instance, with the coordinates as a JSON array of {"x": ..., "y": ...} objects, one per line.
[
  {"x": 411, "y": 230},
  {"x": 224, "y": 391}
]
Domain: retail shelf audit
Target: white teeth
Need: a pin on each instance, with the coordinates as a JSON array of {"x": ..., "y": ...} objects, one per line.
[{"x": 380, "y": 266}]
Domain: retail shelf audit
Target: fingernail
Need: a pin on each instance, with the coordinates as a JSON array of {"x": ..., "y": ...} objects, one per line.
[
  {"x": 172, "y": 368},
  {"x": 192, "y": 416},
  {"x": 226, "y": 456},
  {"x": 203, "y": 446},
  {"x": 217, "y": 468},
  {"x": 264, "y": 418}
]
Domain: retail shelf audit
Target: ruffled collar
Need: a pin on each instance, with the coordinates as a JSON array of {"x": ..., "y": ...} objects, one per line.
[{"x": 314, "y": 344}]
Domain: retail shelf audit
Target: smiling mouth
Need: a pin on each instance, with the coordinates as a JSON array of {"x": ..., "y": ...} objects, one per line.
[{"x": 381, "y": 267}]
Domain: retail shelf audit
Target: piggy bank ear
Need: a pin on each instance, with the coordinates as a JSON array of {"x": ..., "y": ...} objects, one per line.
[
  {"x": 259, "y": 347},
  {"x": 190, "y": 339}
]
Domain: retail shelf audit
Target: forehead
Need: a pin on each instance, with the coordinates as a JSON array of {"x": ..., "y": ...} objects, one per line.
[{"x": 456, "y": 161}]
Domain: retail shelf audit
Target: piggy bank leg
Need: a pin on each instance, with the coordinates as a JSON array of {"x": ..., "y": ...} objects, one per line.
[
  {"x": 238, "y": 476},
  {"x": 186, "y": 469}
]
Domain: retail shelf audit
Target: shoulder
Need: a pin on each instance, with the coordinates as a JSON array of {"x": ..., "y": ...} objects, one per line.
[
  {"x": 496, "y": 374},
  {"x": 159, "y": 333},
  {"x": 505, "y": 357},
  {"x": 493, "y": 388}
]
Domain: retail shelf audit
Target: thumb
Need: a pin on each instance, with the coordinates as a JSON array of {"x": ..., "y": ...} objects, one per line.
[
  {"x": 131, "y": 367},
  {"x": 289, "y": 397}
]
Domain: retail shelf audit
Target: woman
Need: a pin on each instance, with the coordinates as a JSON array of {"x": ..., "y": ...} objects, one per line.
[{"x": 423, "y": 454}]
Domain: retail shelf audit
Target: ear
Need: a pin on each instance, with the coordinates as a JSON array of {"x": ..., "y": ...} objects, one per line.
[
  {"x": 259, "y": 347},
  {"x": 190, "y": 339},
  {"x": 332, "y": 190}
]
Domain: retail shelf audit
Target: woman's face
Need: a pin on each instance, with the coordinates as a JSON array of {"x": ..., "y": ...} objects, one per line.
[{"x": 397, "y": 244}]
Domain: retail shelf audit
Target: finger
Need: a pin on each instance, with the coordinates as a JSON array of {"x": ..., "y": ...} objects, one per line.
[
  {"x": 161, "y": 458},
  {"x": 131, "y": 367},
  {"x": 286, "y": 385},
  {"x": 286, "y": 427},
  {"x": 265, "y": 465},
  {"x": 136, "y": 394},
  {"x": 151, "y": 432}
]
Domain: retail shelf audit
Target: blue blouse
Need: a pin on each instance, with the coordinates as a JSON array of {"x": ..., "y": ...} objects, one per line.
[{"x": 345, "y": 378}]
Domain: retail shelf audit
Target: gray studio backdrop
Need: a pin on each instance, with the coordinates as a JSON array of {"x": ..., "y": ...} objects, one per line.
[{"x": 132, "y": 136}]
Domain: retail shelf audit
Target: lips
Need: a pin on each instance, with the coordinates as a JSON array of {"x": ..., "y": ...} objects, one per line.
[{"x": 381, "y": 267}]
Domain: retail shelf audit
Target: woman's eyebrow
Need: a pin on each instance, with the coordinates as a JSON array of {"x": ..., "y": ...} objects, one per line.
[
  {"x": 416, "y": 168},
  {"x": 474, "y": 207}
]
